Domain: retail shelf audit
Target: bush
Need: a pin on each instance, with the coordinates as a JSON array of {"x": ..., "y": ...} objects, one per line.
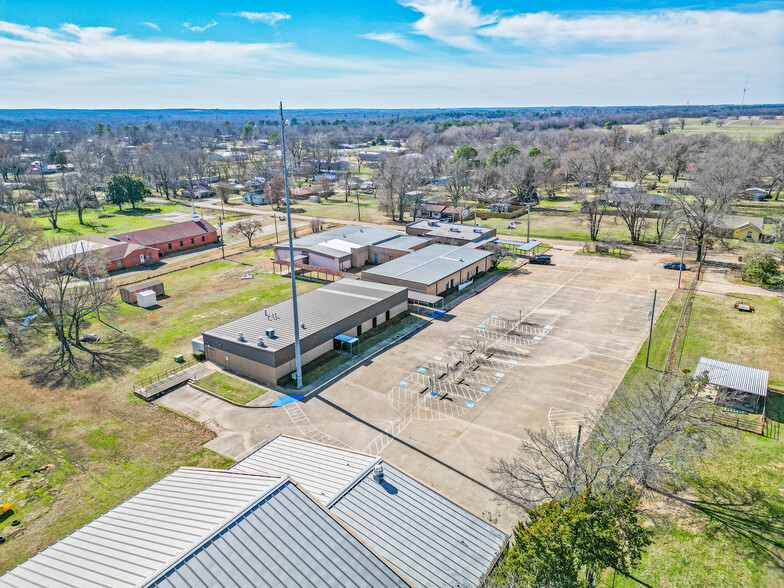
[{"x": 763, "y": 267}]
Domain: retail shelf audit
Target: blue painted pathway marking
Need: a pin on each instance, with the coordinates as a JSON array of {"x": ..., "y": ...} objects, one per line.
[{"x": 284, "y": 400}]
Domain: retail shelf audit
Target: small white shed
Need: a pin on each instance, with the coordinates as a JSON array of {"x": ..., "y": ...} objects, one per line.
[{"x": 146, "y": 298}]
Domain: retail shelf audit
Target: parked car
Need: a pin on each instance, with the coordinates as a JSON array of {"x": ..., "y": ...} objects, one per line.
[
  {"x": 542, "y": 260},
  {"x": 675, "y": 265}
]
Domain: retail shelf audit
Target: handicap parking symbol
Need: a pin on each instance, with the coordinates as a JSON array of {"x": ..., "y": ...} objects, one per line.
[
  {"x": 470, "y": 404},
  {"x": 403, "y": 383},
  {"x": 485, "y": 388},
  {"x": 422, "y": 370}
]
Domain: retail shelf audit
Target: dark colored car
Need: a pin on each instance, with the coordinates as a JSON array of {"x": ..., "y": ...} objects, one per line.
[
  {"x": 675, "y": 265},
  {"x": 542, "y": 260}
]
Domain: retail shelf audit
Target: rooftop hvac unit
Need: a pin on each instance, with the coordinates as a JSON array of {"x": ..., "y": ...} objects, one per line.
[
  {"x": 455, "y": 230},
  {"x": 240, "y": 336},
  {"x": 378, "y": 471},
  {"x": 261, "y": 342},
  {"x": 270, "y": 333},
  {"x": 477, "y": 230},
  {"x": 432, "y": 223}
]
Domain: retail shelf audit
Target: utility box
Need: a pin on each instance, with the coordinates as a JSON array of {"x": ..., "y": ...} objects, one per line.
[{"x": 146, "y": 298}]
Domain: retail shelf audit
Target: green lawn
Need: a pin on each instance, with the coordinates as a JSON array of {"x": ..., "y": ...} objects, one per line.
[
  {"x": 127, "y": 220},
  {"x": 743, "y": 127},
  {"x": 731, "y": 533},
  {"x": 229, "y": 387},
  {"x": 198, "y": 299}
]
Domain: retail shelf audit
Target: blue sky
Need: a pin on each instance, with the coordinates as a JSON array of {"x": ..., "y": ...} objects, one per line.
[{"x": 386, "y": 53}]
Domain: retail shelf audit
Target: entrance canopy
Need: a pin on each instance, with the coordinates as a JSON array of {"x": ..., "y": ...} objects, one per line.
[{"x": 424, "y": 298}]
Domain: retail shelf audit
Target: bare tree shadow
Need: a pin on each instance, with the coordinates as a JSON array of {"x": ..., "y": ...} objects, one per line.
[
  {"x": 740, "y": 511},
  {"x": 82, "y": 364}
]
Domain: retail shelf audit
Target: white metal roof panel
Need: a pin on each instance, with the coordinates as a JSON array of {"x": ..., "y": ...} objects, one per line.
[
  {"x": 286, "y": 539},
  {"x": 129, "y": 544},
  {"x": 429, "y": 538},
  {"x": 733, "y": 376},
  {"x": 320, "y": 469},
  {"x": 431, "y": 264}
]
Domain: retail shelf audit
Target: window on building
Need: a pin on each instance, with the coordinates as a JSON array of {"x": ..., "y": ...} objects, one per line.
[
  {"x": 359, "y": 330},
  {"x": 749, "y": 235},
  {"x": 169, "y": 245},
  {"x": 375, "y": 322},
  {"x": 202, "y": 238},
  {"x": 387, "y": 315},
  {"x": 181, "y": 244},
  {"x": 193, "y": 241},
  {"x": 119, "y": 264}
]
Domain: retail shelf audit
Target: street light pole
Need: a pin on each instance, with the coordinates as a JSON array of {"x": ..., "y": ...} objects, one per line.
[
  {"x": 297, "y": 354},
  {"x": 683, "y": 253},
  {"x": 528, "y": 237},
  {"x": 652, "y": 312},
  {"x": 223, "y": 244}
]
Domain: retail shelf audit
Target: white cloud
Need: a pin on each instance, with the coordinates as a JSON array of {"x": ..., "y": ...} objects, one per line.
[
  {"x": 687, "y": 28},
  {"x": 152, "y": 25},
  {"x": 454, "y": 22},
  {"x": 270, "y": 18},
  {"x": 391, "y": 39},
  {"x": 199, "y": 29}
]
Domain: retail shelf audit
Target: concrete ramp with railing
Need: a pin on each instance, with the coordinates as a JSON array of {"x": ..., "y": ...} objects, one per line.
[{"x": 157, "y": 386}]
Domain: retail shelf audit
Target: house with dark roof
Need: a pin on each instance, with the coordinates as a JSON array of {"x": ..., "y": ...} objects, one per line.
[{"x": 174, "y": 237}]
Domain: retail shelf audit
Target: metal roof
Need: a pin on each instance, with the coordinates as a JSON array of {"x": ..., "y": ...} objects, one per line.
[
  {"x": 322, "y": 470},
  {"x": 451, "y": 230},
  {"x": 143, "y": 535},
  {"x": 286, "y": 539},
  {"x": 319, "y": 309},
  {"x": 429, "y": 265},
  {"x": 342, "y": 241},
  {"x": 733, "y": 376},
  {"x": 72, "y": 249},
  {"x": 430, "y": 539},
  {"x": 172, "y": 232}
]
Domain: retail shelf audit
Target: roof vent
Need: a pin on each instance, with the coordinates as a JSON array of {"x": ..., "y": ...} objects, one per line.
[
  {"x": 477, "y": 230},
  {"x": 455, "y": 230},
  {"x": 302, "y": 325},
  {"x": 240, "y": 336},
  {"x": 270, "y": 333},
  {"x": 378, "y": 472},
  {"x": 261, "y": 342},
  {"x": 461, "y": 260}
]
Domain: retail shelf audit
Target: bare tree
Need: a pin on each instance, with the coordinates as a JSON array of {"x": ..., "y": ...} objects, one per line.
[
  {"x": 599, "y": 164},
  {"x": 67, "y": 283},
  {"x": 458, "y": 182},
  {"x": 519, "y": 177},
  {"x": 248, "y": 228},
  {"x": 593, "y": 210},
  {"x": 717, "y": 180},
  {"x": 676, "y": 153},
  {"x": 52, "y": 203},
  {"x": 78, "y": 195},
  {"x": 664, "y": 217},
  {"x": 634, "y": 211},
  {"x": 772, "y": 164}
]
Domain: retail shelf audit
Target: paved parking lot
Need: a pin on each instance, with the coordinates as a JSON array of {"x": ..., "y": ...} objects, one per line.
[{"x": 540, "y": 349}]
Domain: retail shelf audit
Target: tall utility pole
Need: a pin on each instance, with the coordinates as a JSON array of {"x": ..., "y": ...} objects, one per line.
[
  {"x": 652, "y": 312},
  {"x": 223, "y": 248},
  {"x": 528, "y": 237},
  {"x": 291, "y": 251},
  {"x": 683, "y": 254}
]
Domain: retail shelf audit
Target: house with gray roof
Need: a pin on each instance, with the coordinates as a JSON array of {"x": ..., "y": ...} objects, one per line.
[
  {"x": 350, "y": 247},
  {"x": 451, "y": 233}
]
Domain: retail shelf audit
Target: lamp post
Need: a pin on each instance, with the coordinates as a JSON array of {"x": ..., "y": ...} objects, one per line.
[
  {"x": 651, "y": 313},
  {"x": 528, "y": 235},
  {"x": 223, "y": 244},
  {"x": 297, "y": 354},
  {"x": 683, "y": 253}
]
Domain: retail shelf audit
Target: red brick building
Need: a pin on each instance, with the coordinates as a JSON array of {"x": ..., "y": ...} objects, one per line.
[{"x": 174, "y": 237}]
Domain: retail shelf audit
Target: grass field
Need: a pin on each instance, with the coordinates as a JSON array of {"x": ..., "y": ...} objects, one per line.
[
  {"x": 743, "y": 127},
  {"x": 104, "y": 443},
  {"x": 229, "y": 387},
  {"x": 336, "y": 207},
  {"x": 730, "y": 532}
]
